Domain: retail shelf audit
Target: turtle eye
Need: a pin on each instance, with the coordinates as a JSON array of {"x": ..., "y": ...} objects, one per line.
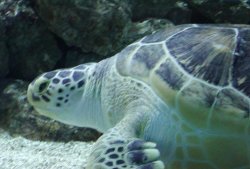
[{"x": 43, "y": 86}]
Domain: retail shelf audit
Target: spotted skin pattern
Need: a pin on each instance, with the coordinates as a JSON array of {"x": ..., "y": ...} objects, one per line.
[
  {"x": 63, "y": 82},
  {"x": 176, "y": 99}
]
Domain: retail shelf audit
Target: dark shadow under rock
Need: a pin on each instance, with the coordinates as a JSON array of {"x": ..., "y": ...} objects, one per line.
[
  {"x": 75, "y": 57},
  {"x": 33, "y": 49},
  {"x": 4, "y": 53}
]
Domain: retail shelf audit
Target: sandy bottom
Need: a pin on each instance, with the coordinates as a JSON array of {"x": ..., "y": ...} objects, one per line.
[{"x": 20, "y": 153}]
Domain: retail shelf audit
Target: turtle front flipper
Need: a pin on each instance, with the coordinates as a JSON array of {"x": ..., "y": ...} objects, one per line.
[{"x": 120, "y": 148}]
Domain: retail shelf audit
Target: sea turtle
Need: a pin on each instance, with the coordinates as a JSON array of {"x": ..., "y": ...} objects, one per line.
[{"x": 178, "y": 98}]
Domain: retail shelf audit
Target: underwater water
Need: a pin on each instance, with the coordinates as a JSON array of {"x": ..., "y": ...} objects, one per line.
[{"x": 45, "y": 35}]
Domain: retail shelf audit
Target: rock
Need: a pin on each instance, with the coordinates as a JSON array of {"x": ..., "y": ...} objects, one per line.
[
  {"x": 11, "y": 8},
  {"x": 222, "y": 11},
  {"x": 21, "y": 153},
  {"x": 4, "y": 53},
  {"x": 18, "y": 118},
  {"x": 175, "y": 11},
  {"x": 96, "y": 26},
  {"x": 32, "y": 48},
  {"x": 76, "y": 56},
  {"x": 140, "y": 29}
]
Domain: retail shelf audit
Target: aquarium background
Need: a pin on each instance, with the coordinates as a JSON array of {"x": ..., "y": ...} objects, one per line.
[{"x": 42, "y": 35}]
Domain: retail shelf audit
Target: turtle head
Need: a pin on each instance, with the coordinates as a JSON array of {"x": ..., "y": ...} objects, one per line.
[{"x": 59, "y": 94}]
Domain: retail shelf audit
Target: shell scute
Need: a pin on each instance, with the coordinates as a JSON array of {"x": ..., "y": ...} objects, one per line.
[
  {"x": 206, "y": 53},
  {"x": 241, "y": 68},
  {"x": 122, "y": 60},
  {"x": 231, "y": 101},
  {"x": 139, "y": 61},
  {"x": 145, "y": 59},
  {"x": 148, "y": 55},
  {"x": 171, "y": 75},
  {"x": 231, "y": 109},
  {"x": 163, "y": 34},
  {"x": 194, "y": 102}
]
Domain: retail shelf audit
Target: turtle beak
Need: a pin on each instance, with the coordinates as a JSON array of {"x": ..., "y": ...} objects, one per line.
[
  {"x": 29, "y": 94},
  {"x": 34, "y": 100}
]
